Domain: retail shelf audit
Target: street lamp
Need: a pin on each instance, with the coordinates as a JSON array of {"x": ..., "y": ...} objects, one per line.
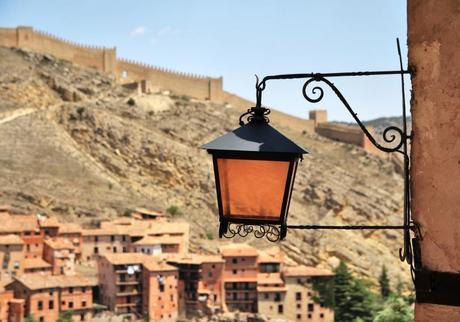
[
  {"x": 254, "y": 168},
  {"x": 255, "y": 165}
]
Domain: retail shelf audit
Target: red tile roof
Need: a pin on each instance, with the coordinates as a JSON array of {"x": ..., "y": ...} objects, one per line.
[
  {"x": 302, "y": 270},
  {"x": 36, "y": 281},
  {"x": 238, "y": 250},
  {"x": 38, "y": 262},
  {"x": 17, "y": 223},
  {"x": 11, "y": 239}
]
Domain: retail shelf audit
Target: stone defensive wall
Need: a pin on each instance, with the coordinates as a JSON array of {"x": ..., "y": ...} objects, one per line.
[{"x": 145, "y": 77}]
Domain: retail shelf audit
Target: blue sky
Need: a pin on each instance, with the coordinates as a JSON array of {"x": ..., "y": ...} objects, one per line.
[{"x": 237, "y": 39}]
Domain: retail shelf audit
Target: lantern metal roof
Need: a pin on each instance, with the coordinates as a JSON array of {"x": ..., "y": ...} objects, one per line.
[{"x": 255, "y": 137}]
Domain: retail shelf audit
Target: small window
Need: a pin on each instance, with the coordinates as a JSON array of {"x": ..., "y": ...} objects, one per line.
[
  {"x": 83, "y": 303},
  {"x": 162, "y": 287},
  {"x": 123, "y": 238},
  {"x": 96, "y": 250},
  {"x": 70, "y": 305},
  {"x": 234, "y": 260},
  {"x": 209, "y": 274},
  {"x": 311, "y": 307},
  {"x": 298, "y": 306},
  {"x": 171, "y": 297},
  {"x": 321, "y": 315},
  {"x": 280, "y": 309},
  {"x": 5, "y": 264},
  {"x": 16, "y": 265},
  {"x": 266, "y": 296},
  {"x": 299, "y": 316},
  {"x": 298, "y": 296},
  {"x": 51, "y": 305},
  {"x": 234, "y": 272},
  {"x": 82, "y": 317},
  {"x": 309, "y": 316},
  {"x": 114, "y": 249},
  {"x": 125, "y": 250},
  {"x": 112, "y": 238},
  {"x": 70, "y": 289},
  {"x": 40, "y": 305},
  {"x": 41, "y": 319},
  {"x": 96, "y": 238},
  {"x": 83, "y": 289}
]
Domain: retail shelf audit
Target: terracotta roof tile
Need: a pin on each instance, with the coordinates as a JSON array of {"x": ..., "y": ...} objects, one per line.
[
  {"x": 158, "y": 240},
  {"x": 234, "y": 250},
  {"x": 17, "y": 223},
  {"x": 59, "y": 243},
  {"x": 69, "y": 228},
  {"x": 36, "y": 263},
  {"x": 269, "y": 278},
  {"x": 302, "y": 270},
  {"x": 35, "y": 281},
  {"x": 125, "y": 258},
  {"x": 48, "y": 222},
  {"x": 196, "y": 259},
  {"x": 11, "y": 239}
]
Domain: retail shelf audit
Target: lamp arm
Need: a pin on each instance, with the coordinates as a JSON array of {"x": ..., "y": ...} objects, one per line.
[{"x": 397, "y": 137}]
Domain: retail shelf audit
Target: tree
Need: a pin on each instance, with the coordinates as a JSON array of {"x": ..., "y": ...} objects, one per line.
[
  {"x": 353, "y": 300},
  {"x": 65, "y": 317},
  {"x": 30, "y": 318},
  {"x": 384, "y": 283},
  {"x": 395, "y": 310},
  {"x": 342, "y": 286}
]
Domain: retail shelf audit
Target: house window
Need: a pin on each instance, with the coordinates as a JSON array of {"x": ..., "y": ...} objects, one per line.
[
  {"x": 299, "y": 316},
  {"x": 280, "y": 309},
  {"x": 234, "y": 260},
  {"x": 42, "y": 319},
  {"x": 112, "y": 238},
  {"x": 171, "y": 297},
  {"x": 96, "y": 250},
  {"x": 70, "y": 289},
  {"x": 96, "y": 238},
  {"x": 162, "y": 287},
  {"x": 51, "y": 305},
  {"x": 83, "y": 303},
  {"x": 123, "y": 238},
  {"x": 299, "y": 281},
  {"x": 234, "y": 272},
  {"x": 40, "y": 305},
  {"x": 266, "y": 296},
  {"x": 125, "y": 250},
  {"x": 83, "y": 289},
  {"x": 70, "y": 305},
  {"x": 209, "y": 274},
  {"x": 309, "y": 316},
  {"x": 298, "y": 296},
  {"x": 5, "y": 264},
  {"x": 321, "y": 315},
  {"x": 16, "y": 265},
  {"x": 277, "y": 297},
  {"x": 298, "y": 305},
  {"x": 311, "y": 307},
  {"x": 114, "y": 249},
  {"x": 82, "y": 317}
]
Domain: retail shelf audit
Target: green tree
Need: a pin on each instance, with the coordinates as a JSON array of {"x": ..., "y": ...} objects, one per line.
[
  {"x": 395, "y": 310},
  {"x": 342, "y": 287},
  {"x": 360, "y": 304},
  {"x": 384, "y": 283},
  {"x": 352, "y": 297},
  {"x": 30, "y": 318},
  {"x": 65, "y": 317}
]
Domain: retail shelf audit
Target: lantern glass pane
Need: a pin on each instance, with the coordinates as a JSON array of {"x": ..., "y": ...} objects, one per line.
[{"x": 252, "y": 189}]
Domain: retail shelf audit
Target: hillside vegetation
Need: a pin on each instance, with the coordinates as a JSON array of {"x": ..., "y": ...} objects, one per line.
[{"x": 75, "y": 144}]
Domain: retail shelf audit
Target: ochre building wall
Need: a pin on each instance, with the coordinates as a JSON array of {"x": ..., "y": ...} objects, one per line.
[{"x": 434, "y": 54}]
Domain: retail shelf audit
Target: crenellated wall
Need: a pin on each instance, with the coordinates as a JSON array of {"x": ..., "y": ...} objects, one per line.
[{"x": 144, "y": 77}]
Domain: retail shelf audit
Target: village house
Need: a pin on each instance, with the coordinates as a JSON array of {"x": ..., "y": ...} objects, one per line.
[
  {"x": 240, "y": 277},
  {"x": 37, "y": 265},
  {"x": 137, "y": 285},
  {"x": 60, "y": 253},
  {"x": 11, "y": 256},
  {"x": 26, "y": 227},
  {"x": 299, "y": 282},
  {"x": 48, "y": 296},
  {"x": 157, "y": 245},
  {"x": 11, "y": 309},
  {"x": 200, "y": 283}
]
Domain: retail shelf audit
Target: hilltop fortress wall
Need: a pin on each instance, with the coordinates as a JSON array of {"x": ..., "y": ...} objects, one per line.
[{"x": 201, "y": 87}]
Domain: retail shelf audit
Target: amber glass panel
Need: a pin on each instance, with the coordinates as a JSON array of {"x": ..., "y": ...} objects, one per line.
[{"x": 252, "y": 189}]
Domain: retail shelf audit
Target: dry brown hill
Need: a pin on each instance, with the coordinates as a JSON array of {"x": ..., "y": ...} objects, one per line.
[{"x": 75, "y": 144}]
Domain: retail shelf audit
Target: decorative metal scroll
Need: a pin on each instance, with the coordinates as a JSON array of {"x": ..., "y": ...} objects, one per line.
[
  {"x": 396, "y": 138},
  {"x": 272, "y": 233}
]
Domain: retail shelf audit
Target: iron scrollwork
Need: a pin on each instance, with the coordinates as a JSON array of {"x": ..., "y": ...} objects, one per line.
[
  {"x": 396, "y": 140},
  {"x": 271, "y": 232}
]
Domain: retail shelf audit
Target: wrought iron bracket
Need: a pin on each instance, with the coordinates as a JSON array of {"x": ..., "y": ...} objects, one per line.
[{"x": 396, "y": 140}]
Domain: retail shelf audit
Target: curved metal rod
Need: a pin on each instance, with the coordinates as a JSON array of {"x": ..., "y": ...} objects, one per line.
[{"x": 389, "y": 138}]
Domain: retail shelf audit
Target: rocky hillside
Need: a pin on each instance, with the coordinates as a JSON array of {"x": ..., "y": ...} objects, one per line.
[{"x": 75, "y": 144}]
